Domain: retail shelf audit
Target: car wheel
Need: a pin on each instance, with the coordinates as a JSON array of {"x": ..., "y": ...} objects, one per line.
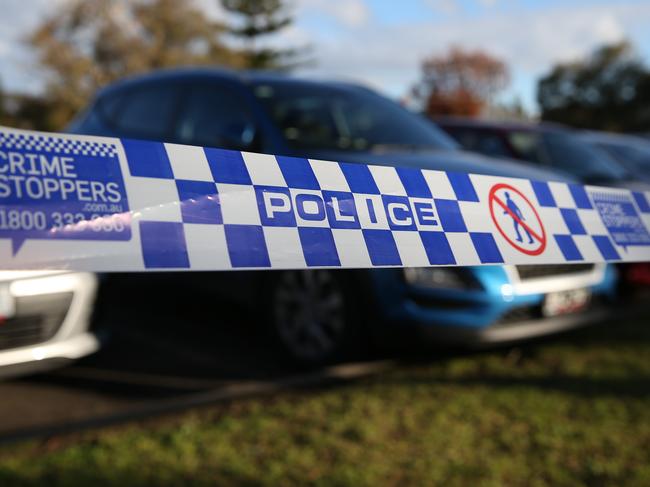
[{"x": 311, "y": 316}]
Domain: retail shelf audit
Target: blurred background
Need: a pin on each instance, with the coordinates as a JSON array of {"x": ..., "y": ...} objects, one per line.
[
  {"x": 577, "y": 62},
  {"x": 423, "y": 376}
]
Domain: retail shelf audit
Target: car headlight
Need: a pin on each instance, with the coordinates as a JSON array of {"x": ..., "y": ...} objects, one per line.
[
  {"x": 7, "y": 303},
  {"x": 440, "y": 278}
]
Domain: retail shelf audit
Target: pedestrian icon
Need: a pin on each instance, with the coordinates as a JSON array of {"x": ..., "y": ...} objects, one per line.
[
  {"x": 516, "y": 219},
  {"x": 517, "y": 216}
]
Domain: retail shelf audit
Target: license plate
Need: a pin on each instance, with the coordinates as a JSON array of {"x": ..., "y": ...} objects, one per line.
[{"x": 564, "y": 302}]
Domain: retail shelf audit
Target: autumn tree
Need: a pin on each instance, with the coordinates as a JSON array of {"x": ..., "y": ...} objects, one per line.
[
  {"x": 609, "y": 90},
  {"x": 89, "y": 43},
  {"x": 255, "y": 21},
  {"x": 460, "y": 82}
]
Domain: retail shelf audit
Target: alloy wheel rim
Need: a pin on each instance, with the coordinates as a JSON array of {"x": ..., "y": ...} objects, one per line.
[{"x": 309, "y": 313}]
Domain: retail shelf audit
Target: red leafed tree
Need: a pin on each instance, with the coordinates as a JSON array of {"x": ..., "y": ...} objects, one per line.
[{"x": 460, "y": 82}]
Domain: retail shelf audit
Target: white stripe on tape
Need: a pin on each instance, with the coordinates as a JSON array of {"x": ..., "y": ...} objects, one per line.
[{"x": 105, "y": 204}]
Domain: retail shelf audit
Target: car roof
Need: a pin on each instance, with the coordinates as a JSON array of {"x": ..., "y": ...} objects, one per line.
[
  {"x": 483, "y": 124},
  {"x": 218, "y": 73},
  {"x": 448, "y": 161}
]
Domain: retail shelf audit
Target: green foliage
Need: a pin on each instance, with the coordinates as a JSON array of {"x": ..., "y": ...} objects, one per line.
[
  {"x": 260, "y": 16},
  {"x": 610, "y": 90},
  {"x": 573, "y": 411},
  {"x": 257, "y": 19}
]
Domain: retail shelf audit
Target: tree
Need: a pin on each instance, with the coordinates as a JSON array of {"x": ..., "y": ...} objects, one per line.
[
  {"x": 23, "y": 111},
  {"x": 258, "y": 19},
  {"x": 606, "y": 91},
  {"x": 510, "y": 110},
  {"x": 460, "y": 82},
  {"x": 90, "y": 43},
  {"x": 3, "y": 108}
]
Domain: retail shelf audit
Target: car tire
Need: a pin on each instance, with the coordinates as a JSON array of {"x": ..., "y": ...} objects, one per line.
[{"x": 313, "y": 317}]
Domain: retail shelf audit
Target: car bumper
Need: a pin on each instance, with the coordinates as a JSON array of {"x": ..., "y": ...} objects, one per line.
[
  {"x": 48, "y": 320},
  {"x": 502, "y": 334},
  {"x": 47, "y": 356},
  {"x": 490, "y": 316},
  {"x": 414, "y": 333}
]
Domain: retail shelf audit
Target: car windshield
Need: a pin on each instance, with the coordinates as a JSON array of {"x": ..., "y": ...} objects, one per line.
[
  {"x": 319, "y": 117},
  {"x": 579, "y": 158}
]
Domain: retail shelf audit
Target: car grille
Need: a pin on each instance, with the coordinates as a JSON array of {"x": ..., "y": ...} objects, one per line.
[
  {"x": 517, "y": 315},
  {"x": 37, "y": 320},
  {"x": 535, "y": 271}
]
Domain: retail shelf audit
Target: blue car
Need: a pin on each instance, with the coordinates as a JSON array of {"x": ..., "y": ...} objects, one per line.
[{"x": 320, "y": 315}]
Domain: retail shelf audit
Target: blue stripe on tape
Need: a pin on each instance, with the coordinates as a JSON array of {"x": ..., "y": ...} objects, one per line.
[
  {"x": 572, "y": 221},
  {"x": 227, "y": 166},
  {"x": 319, "y": 247},
  {"x": 606, "y": 248},
  {"x": 642, "y": 201},
  {"x": 246, "y": 246},
  {"x": 568, "y": 247},
  {"x": 414, "y": 182},
  {"x": 199, "y": 202},
  {"x": 579, "y": 194},
  {"x": 543, "y": 193},
  {"x": 463, "y": 186},
  {"x": 382, "y": 247},
  {"x": 359, "y": 178},
  {"x": 437, "y": 248},
  {"x": 163, "y": 245},
  {"x": 297, "y": 172},
  {"x": 486, "y": 248},
  {"x": 450, "y": 215},
  {"x": 147, "y": 159}
]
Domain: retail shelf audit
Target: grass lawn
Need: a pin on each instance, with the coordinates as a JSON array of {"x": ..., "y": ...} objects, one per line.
[{"x": 574, "y": 410}]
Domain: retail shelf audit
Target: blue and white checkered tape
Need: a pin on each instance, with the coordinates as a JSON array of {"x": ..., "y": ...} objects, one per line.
[{"x": 105, "y": 204}]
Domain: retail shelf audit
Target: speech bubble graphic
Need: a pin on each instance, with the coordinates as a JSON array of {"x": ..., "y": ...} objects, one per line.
[
  {"x": 620, "y": 216},
  {"x": 55, "y": 188}
]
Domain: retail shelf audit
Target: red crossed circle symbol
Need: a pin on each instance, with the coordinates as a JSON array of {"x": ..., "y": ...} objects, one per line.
[{"x": 496, "y": 201}]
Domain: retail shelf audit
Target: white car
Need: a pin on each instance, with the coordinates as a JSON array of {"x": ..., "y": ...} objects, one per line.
[{"x": 45, "y": 319}]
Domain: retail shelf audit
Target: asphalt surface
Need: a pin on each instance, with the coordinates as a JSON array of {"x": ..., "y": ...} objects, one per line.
[{"x": 154, "y": 353}]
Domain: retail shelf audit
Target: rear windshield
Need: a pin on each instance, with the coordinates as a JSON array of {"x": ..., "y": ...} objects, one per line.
[{"x": 319, "y": 117}]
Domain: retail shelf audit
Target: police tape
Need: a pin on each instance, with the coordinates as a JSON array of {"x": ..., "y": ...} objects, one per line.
[{"x": 107, "y": 204}]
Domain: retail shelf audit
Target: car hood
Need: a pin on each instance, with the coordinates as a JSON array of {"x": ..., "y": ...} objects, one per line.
[
  {"x": 633, "y": 185},
  {"x": 459, "y": 161},
  {"x": 7, "y": 276}
]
